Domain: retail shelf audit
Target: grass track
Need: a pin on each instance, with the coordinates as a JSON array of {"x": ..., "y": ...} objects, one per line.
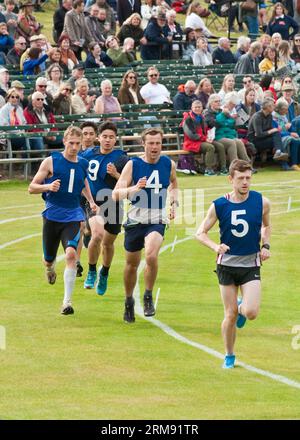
[{"x": 92, "y": 366}]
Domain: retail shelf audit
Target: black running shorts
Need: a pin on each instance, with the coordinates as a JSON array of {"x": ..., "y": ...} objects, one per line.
[
  {"x": 238, "y": 276},
  {"x": 111, "y": 212},
  {"x": 54, "y": 233}
]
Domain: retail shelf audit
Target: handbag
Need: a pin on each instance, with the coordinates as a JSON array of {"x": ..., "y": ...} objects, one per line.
[{"x": 249, "y": 6}]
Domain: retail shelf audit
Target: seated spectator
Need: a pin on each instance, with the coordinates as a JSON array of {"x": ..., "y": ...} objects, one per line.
[
  {"x": 156, "y": 40},
  {"x": 36, "y": 114},
  {"x": 250, "y": 84},
  {"x": 6, "y": 42},
  {"x": 267, "y": 83},
  {"x": 120, "y": 56},
  {"x": 54, "y": 74},
  {"x": 294, "y": 108},
  {"x": 222, "y": 54},
  {"x": 27, "y": 25},
  {"x": 62, "y": 101},
  {"x": 282, "y": 23},
  {"x": 189, "y": 46},
  {"x": 263, "y": 135},
  {"x": 129, "y": 92},
  {"x": 284, "y": 57},
  {"x": 248, "y": 63},
  {"x": 196, "y": 140},
  {"x": 41, "y": 86},
  {"x": 243, "y": 45},
  {"x": 290, "y": 139},
  {"x": 97, "y": 58},
  {"x": 35, "y": 58},
  {"x": 106, "y": 102},
  {"x": 248, "y": 105},
  {"x": 173, "y": 29},
  {"x": 19, "y": 87},
  {"x": 204, "y": 90},
  {"x": 153, "y": 92},
  {"x": 10, "y": 17},
  {"x": 132, "y": 28},
  {"x": 14, "y": 55},
  {"x": 269, "y": 62},
  {"x": 227, "y": 86},
  {"x": 202, "y": 56},
  {"x": 224, "y": 123},
  {"x": 77, "y": 73},
  {"x": 68, "y": 58},
  {"x": 95, "y": 27},
  {"x": 11, "y": 114},
  {"x": 193, "y": 19},
  {"x": 295, "y": 55},
  {"x": 54, "y": 57},
  {"x": 265, "y": 41},
  {"x": 4, "y": 81},
  {"x": 59, "y": 18},
  {"x": 295, "y": 128},
  {"x": 276, "y": 39},
  {"x": 82, "y": 102},
  {"x": 35, "y": 42},
  {"x": 183, "y": 100},
  {"x": 288, "y": 80}
]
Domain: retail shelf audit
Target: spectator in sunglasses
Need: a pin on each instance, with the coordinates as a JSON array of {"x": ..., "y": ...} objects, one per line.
[
  {"x": 153, "y": 92},
  {"x": 14, "y": 55},
  {"x": 11, "y": 114},
  {"x": 62, "y": 100}
]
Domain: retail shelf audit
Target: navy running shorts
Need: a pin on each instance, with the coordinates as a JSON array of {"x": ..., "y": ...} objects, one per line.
[{"x": 135, "y": 235}]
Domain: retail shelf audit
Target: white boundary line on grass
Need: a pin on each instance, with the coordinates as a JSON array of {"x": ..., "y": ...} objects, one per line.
[
  {"x": 19, "y": 206},
  {"x": 18, "y": 240},
  {"x": 171, "y": 332},
  {"x": 10, "y": 220}
]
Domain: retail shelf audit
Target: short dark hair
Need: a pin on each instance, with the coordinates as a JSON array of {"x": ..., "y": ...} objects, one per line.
[
  {"x": 77, "y": 3},
  {"x": 239, "y": 165},
  {"x": 152, "y": 131},
  {"x": 89, "y": 124},
  {"x": 108, "y": 126}
]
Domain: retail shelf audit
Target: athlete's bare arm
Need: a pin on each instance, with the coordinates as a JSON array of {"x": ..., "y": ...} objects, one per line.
[
  {"x": 123, "y": 189},
  {"x": 173, "y": 190},
  {"x": 202, "y": 233},
  {"x": 265, "y": 229},
  {"x": 45, "y": 171}
]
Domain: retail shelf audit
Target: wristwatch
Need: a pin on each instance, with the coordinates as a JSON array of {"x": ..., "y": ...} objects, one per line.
[{"x": 266, "y": 246}]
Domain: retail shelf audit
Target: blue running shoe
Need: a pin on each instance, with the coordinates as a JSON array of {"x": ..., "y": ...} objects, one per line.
[
  {"x": 102, "y": 284},
  {"x": 241, "y": 319},
  {"x": 229, "y": 361},
  {"x": 90, "y": 280}
]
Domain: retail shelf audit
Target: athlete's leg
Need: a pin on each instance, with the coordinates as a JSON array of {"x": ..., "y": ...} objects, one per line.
[
  {"x": 153, "y": 243},
  {"x": 96, "y": 224},
  {"x": 251, "y": 293},
  {"x": 229, "y": 297},
  {"x": 51, "y": 240},
  {"x": 107, "y": 256},
  {"x": 79, "y": 249},
  {"x": 130, "y": 272}
]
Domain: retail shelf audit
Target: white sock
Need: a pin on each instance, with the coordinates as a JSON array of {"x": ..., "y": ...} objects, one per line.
[{"x": 69, "y": 281}]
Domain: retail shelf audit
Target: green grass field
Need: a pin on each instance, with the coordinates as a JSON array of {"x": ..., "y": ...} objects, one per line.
[{"x": 91, "y": 365}]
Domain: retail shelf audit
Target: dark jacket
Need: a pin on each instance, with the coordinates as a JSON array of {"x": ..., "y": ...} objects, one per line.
[
  {"x": 283, "y": 25},
  {"x": 246, "y": 65},
  {"x": 128, "y": 30},
  {"x": 221, "y": 56},
  {"x": 90, "y": 61},
  {"x": 58, "y": 22},
  {"x": 156, "y": 41},
  {"x": 13, "y": 57},
  {"x": 177, "y": 36},
  {"x": 62, "y": 105},
  {"x": 182, "y": 101},
  {"x": 125, "y": 97},
  {"x": 124, "y": 9},
  {"x": 259, "y": 125},
  {"x": 6, "y": 43}
]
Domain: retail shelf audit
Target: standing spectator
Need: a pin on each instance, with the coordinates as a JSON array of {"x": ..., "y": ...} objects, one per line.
[
  {"x": 110, "y": 16},
  {"x": 202, "y": 56},
  {"x": 251, "y": 19},
  {"x": 204, "y": 90},
  {"x": 183, "y": 100},
  {"x": 76, "y": 28},
  {"x": 248, "y": 63},
  {"x": 222, "y": 54},
  {"x": 54, "y": 74},
  {"x": 152, "y": 50},
  {"x": 62, "y": 101},
  {"x": 263, "y": 135},
  {"x": 148, "y": 9},
  {"x": 95, "y": 26},
  {"x": 282, "y": 23},
  {"x": 129, "y": 92},
  {"x": 10, "y": 17},
  {"x": 82, "y": 102},
  {"x": 6, "y": 42},
  {"x": 68, "y": 58},
  {"x": 59, "y": 19},
  {"x": 125, "y": 8},
  {"x": 120, "y": 56},
  {"x": 193, "y": 19},
  {"x": 27, "y": 25},
  {"x": 172, "y": 28},
  {"x": 153, "y": 92},
  {"x": 243, "y": 45},
  {"x": 97, "y": 58},
  {"x": 132, "y": 28},
  {"x": 14, "y": 55}
]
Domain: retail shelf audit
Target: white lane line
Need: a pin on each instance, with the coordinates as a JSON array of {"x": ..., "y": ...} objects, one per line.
[
  {"x": 289, "y": 204},
  {"x": 15, "y": 219},
  {"x": 171, "y": 332},
  {"x": 174, "y": 244},
  {"x": 156, "y": 298},
  {"x": 18, "y": 240},
  {"x": 19, "y": 206}
]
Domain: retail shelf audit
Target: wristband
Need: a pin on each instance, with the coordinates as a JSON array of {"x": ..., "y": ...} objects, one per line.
[{"x": 266, "y": 246}]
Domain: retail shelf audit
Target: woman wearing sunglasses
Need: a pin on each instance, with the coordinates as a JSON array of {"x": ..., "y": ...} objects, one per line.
[
  {"x": 11, "y": 114},
  {"x": 129, "y": 92}
]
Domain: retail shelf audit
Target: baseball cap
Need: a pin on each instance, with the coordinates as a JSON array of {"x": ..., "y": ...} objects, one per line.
[
  {"x": 3, "y": 69},
  {"x": 17, "y": 84},
  {"x": 287, "y": 87},
  {"x": 36, "y": 37}
]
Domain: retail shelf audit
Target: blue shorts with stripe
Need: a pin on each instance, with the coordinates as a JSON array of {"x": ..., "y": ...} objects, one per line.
[{"x": 54, "y": 233}]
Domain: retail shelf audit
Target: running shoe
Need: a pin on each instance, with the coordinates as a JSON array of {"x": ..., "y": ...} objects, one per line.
[
  {"x": 229, "y": 361},
  {"x": 51, "y": 275},
  {"x": 90, "y": 279},
  {"x": 241, "y": 319},
  {"x": 67, "y": 309},
  {"x": 149, "y": 309},
  {"x": 129, "y": 311},
  {"x": 79, "y": 269},
  {"x": 102, "y": 284}
]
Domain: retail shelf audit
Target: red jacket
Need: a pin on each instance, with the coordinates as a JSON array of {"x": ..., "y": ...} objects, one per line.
[
  {"x": 32, "y": 119},
  {"x": 194, "y": 132}
]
